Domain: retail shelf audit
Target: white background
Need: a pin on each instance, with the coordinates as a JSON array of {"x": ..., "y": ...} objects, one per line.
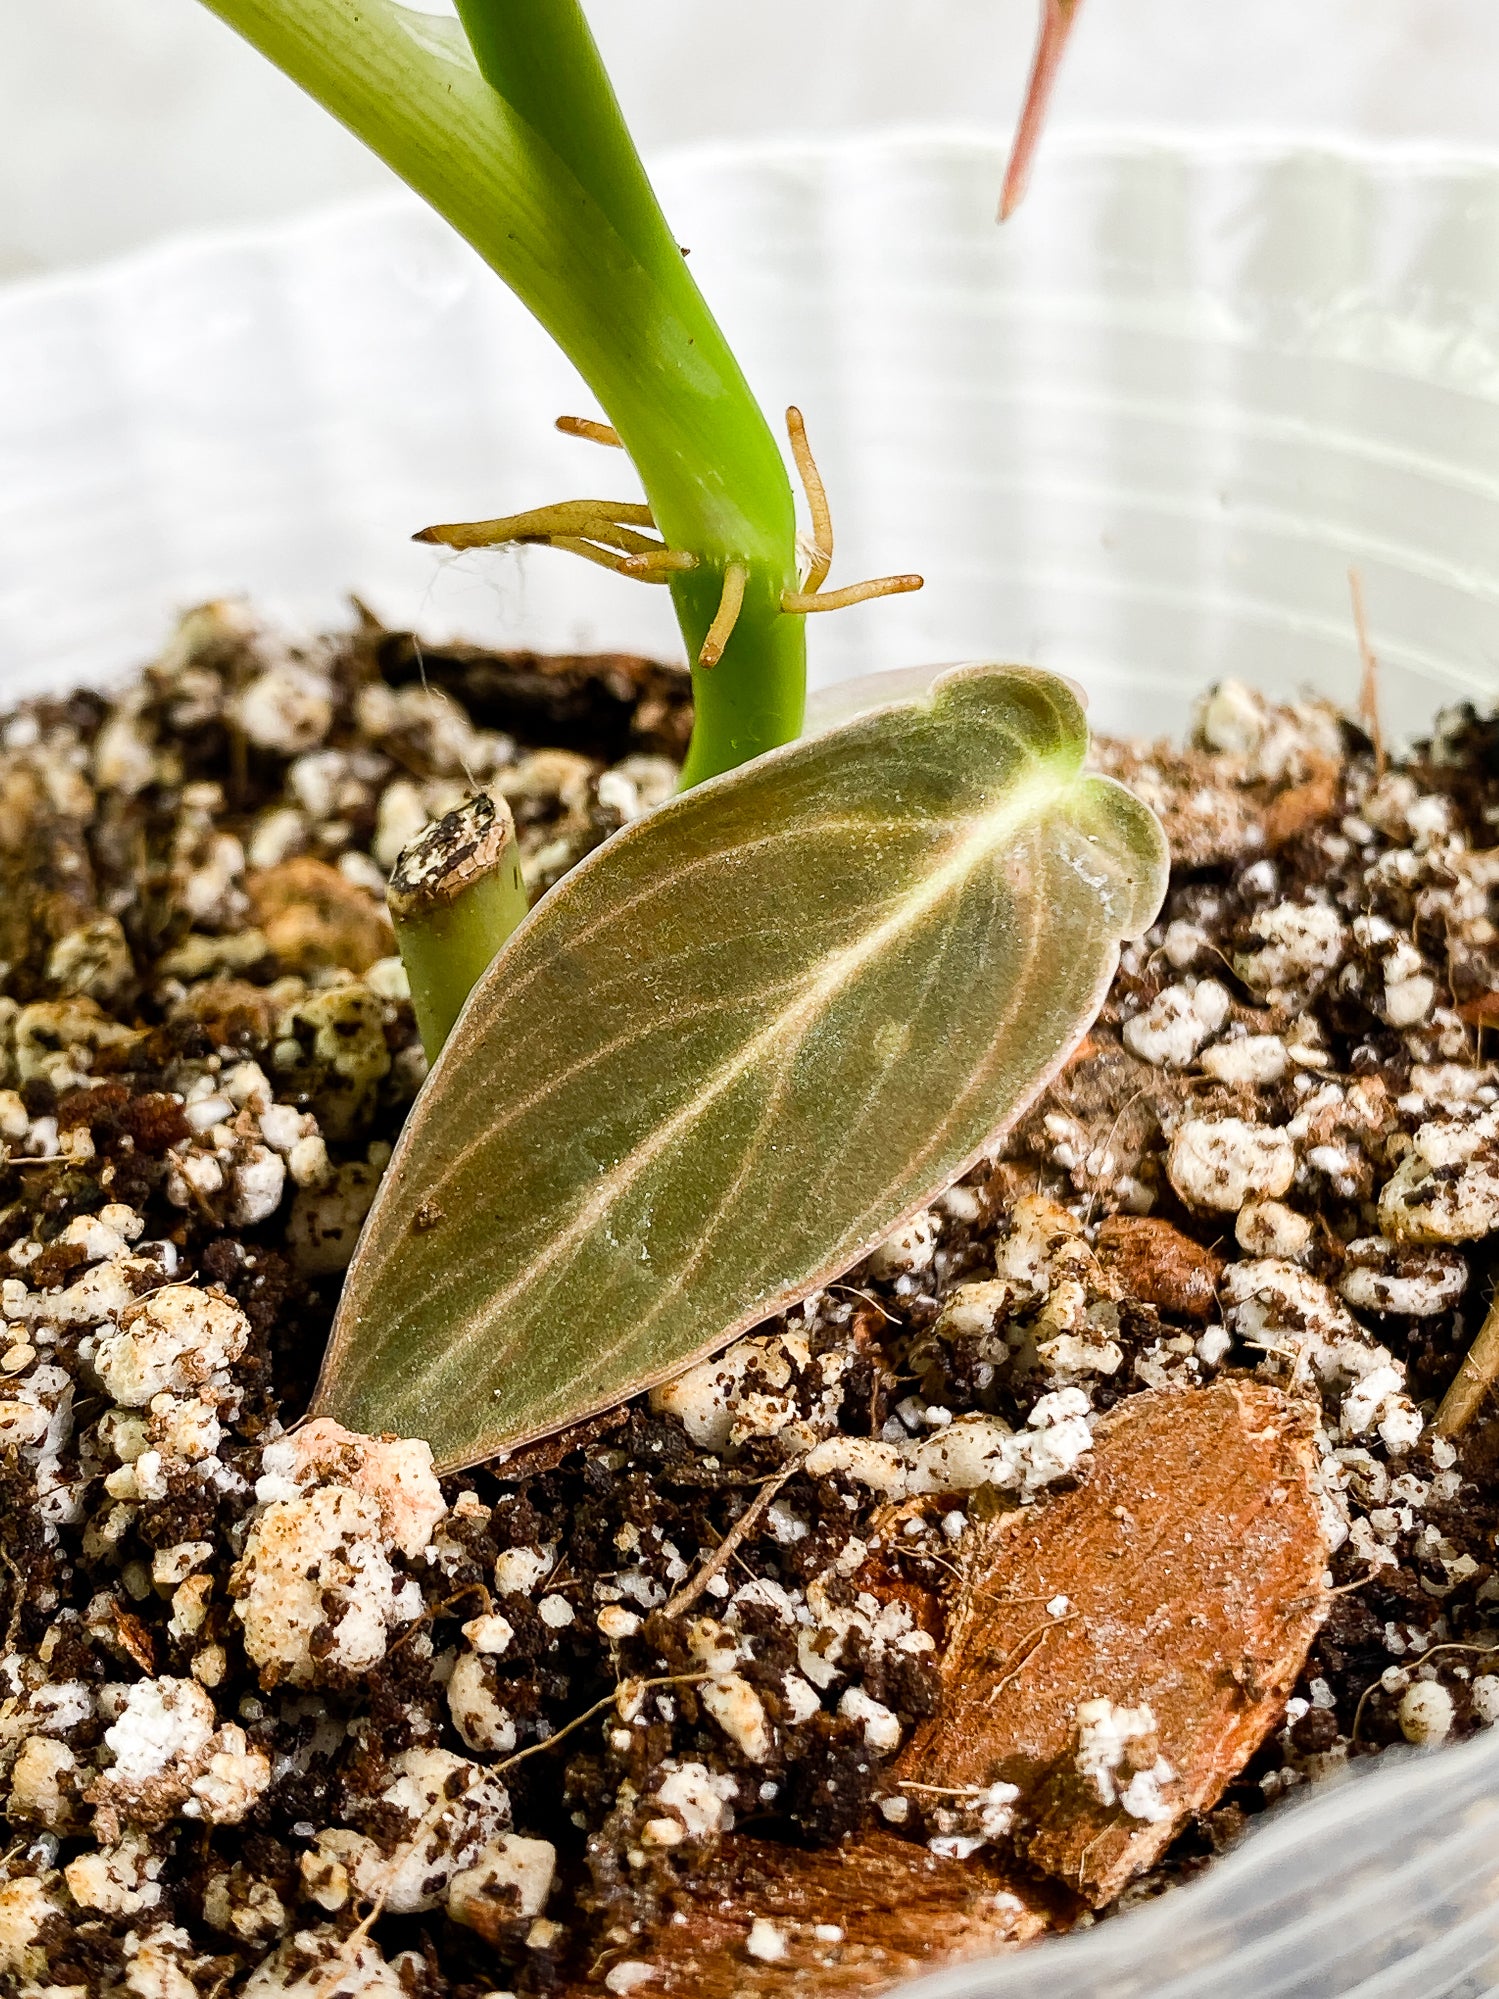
[{"x": 123, "y": 120}]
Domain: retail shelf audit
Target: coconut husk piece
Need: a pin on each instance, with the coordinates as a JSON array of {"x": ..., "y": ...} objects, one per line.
[{"x": 1191, "y": 1558}]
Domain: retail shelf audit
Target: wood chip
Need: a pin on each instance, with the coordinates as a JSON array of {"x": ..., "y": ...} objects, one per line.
[
  {"x": 1191, "y": 1561},
  {"x": 899, "y": 1911},
  {"x": 531, "y": 1460},
  {"x": 1156, "y": 1263},
  {"x": 314, "y": 917},
  {"x": 1294, "y": 812}
]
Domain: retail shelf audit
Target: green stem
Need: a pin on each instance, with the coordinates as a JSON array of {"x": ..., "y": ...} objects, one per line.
[{"x": 519, "y": 142}]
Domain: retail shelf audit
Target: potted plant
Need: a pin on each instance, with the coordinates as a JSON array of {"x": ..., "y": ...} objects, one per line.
[{"x": 792, "y": 1606}]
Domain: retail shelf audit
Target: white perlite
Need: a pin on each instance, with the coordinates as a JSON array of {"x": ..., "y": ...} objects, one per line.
[
  {"x": 1311, "y": 1335},
  {"x": 25, "y": 1906},
  {"x": 765, "y": 1941},
  {"x": 453, "y": 1812},
  {"x": 910, "y": 1248},
  {"x": 118, "y": 1880},
  {"x": 700, "y": 1798},
  {"x": 1177, "y": 1023},
  {"x": 1446, "y": 1189},
  {"x": 974, "y": 1451},
  {"x": 1300, "y": 944},
  {"x": 517, "y": 1571},
  {"x": 1230, "y": 718},
  {"x": 511, "y": 1877},
  {"x": 1426, "y": 1714},
  {"x": 321, "y": 1964},
  {"x": 966, "y": 1821},
  {"x": 1250, "y": 1060},
  {"x": 752, "y": 1391},
  {"x": 287, "y": 708},
  {"x": 171, "y": 1342},
  {"x": 1269, "y": 1228},
  {"x": 395, "y": 1472},
  {"x": 740, "y": 1713},
  {"x": 316, "y": 1584},
  {"x": 1221, "y": 1163},
  {"x": 163, "y": 1722},
  {"x": 478, "y": 1715},
  {"x": 44, "y": 1784},
  {"x": 880, "y": 1724},
  {"x": 1381, "y": 1277},
  {"x": 1409, "y": 989},
  {"x": 627, "y": 1976},
  {"x": 1120, "y": 1761},
  {"x": 171, "y": 1755}
]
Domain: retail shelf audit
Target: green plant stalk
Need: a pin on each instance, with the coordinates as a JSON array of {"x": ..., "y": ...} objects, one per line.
[
  {"x": 519, "y": 142},
  {"x": 456, "y": 893},
  {"x": 449, "y": 951}
]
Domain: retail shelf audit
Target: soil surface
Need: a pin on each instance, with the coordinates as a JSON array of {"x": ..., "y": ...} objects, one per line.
[{"x": 708, "y": 1681}]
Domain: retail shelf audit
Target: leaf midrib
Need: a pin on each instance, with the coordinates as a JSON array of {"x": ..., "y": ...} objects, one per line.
[{"x": 1022, "y": 807}]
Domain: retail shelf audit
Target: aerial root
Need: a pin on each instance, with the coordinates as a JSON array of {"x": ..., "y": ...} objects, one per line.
[
  {"x": 622, "y": 536},
  {"x": 817, "y": 502},
  {"x": 730, "y": 604},
  {"x": 602, "y": 531},
  {"x": 811, "y": 596},
  {"x": 600, "y": 520},
  {"x": 591, "y": 551},
  {"x": 590, "y": 429},
  {"x": 801, "y": 603}
]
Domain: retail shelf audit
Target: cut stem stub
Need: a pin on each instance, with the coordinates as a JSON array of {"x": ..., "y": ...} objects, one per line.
[{"x": 455, "y": 896}]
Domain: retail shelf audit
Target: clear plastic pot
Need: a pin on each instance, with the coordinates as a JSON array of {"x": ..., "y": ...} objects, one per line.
[{"x": 1140, "y": 436}]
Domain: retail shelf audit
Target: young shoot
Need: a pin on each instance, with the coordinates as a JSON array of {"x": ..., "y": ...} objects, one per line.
[
  {"x": 750, "y": 1035},
  {"x": 505, "y": 120}
]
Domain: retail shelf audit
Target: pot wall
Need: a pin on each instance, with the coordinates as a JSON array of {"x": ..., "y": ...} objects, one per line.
[{"x": 1139, "y": 436}]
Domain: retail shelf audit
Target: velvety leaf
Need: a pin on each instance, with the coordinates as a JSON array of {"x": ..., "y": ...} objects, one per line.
[{"x": 731, "y": 1051}]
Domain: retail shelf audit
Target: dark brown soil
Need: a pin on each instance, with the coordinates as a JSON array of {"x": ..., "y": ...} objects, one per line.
[{"x": 205, "y": 1055}]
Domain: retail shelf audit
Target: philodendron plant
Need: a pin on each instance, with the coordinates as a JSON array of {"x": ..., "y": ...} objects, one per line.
[{"x": 755, "y": 1031}]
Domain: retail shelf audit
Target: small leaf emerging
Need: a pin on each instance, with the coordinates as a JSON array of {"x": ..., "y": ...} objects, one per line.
[{"x": 734, "y": 1049}]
